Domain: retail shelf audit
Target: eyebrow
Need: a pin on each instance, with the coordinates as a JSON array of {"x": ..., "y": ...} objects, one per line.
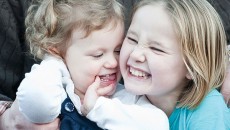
[
  {"x": 132, "y": 32},
  {"x": 155, "y": 43},
  {"x": 149, "y": 42}
]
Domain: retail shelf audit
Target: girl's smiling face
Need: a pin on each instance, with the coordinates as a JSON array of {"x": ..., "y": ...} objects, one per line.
[
  {"x": 151, "y": 60},
  {"x": 95, "y": 55}
]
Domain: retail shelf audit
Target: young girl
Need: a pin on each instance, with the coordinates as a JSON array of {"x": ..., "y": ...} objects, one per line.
[
  {"x": 77, "y": 41},
  {"x": 175, "y": 54}
]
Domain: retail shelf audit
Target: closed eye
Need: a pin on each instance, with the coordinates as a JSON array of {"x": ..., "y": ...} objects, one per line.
[
  {"x": 98, "y": 55},
  {"x": 131, "y": 40},
  {"x": 156, "y": 49}
]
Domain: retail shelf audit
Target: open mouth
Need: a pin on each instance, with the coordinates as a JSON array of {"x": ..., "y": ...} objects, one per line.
[
  {"x": 108, "y": 79},
  {"x": 138, "y": 73}
]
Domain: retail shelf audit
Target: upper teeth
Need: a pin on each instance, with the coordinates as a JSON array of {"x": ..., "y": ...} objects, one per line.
[
  {"x": 137, "y": 72},
  {"x": 105, "y": 80}
]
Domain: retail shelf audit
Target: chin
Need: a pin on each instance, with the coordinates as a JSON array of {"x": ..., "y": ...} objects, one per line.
[{"x": 131, "y": 89}]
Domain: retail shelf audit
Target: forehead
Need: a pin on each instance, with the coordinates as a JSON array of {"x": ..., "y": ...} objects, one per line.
[
  {"x": 152, "y": 24},
  {"x": 110, "y": 36},
  {"x": 152, "y": 16}
]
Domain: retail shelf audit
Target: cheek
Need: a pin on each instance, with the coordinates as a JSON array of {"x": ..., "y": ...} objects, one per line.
[
  {"x": 124, "y": 55},
  {"x": 173, "y": 73},
  {"x": 82, "y": 74},
  {"x": 82, "y": 78}
]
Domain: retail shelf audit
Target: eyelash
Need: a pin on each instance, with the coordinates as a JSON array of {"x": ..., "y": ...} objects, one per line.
[
  {"x": 98, "y": 56},
  {"x": 152, "y": 48},
  {"x": 156, "y": 49},
  {"x": 132, "y": 40}
]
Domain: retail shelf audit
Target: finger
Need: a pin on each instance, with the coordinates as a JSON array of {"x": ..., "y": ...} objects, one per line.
[
  {"x": 97, "y": 81},
  {"x": 227, "y": 101},
  {"x": 105, "y": 90},
  {"x": 95, "y": 84},
  {"x": 226, "y": 98}
]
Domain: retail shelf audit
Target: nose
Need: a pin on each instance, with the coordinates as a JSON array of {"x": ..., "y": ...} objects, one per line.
[
  {"x": 138, "y": 54},
  {"x": 111, "y": 62}
]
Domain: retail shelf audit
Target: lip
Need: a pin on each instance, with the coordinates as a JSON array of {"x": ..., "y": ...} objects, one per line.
[
  {"x": 108, "y": 79},
  {"x": 129, "y": 66}
]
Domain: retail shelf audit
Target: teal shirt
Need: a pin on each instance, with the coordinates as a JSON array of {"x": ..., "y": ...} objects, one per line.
[{"x": 211, "y": 114}]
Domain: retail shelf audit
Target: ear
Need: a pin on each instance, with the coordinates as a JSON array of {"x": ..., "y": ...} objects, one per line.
[
  {"x": 188, "y": 76},
  {"x": 54, "y": 51}
]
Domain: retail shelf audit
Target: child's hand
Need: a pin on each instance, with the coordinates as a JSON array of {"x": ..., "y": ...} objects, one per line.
[
  {"x": 225, "y": 90},
  {"x": 93, "y": 92}
]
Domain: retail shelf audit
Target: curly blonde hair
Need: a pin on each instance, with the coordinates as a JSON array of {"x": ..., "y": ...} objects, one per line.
[{"x": 50, "y": 23}]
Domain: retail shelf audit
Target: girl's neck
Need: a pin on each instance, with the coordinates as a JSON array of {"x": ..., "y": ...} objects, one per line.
[{"x": 165, "y": 103}]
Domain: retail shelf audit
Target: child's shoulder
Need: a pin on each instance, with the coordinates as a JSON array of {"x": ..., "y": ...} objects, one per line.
[
  {"x": 214, "y": 97},
  {"x": 212, "y": 103},
  {"x": 212, "y": 113}
]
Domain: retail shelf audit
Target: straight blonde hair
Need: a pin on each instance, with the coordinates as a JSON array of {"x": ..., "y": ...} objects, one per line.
[{"x": 203, "y": 43}]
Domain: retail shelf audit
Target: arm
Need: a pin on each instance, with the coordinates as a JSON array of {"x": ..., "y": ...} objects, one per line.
[
  {"x": 18, "y": 121},
  {"x": 14, "y": 63},
  {"x": 41, "y": 93},
  {"x": 115, "y": 115},
  {"x": 225, "y": 89}
]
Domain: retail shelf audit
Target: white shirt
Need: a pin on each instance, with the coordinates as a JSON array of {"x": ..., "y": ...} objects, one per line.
[
  {"x": 126, "y": 111},
  {"x": 43, "y": 90}
]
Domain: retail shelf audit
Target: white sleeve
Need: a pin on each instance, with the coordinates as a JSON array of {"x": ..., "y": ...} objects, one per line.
[
  {"x": 112, "y": 114},
  {"x": 41, "y": 92}
]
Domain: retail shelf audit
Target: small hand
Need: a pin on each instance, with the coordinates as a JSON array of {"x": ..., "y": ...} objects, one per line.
[{"x": 93, "y": 92}]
